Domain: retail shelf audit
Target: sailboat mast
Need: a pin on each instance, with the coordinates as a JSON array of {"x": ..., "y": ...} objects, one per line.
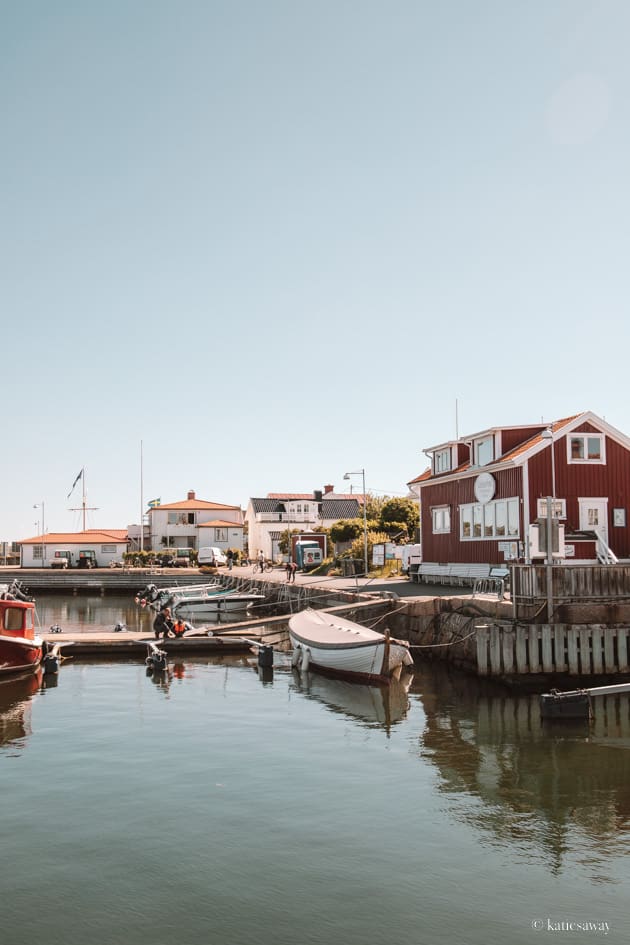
[
  {"x": 83, "y": 499},
  {"x": 141, "y": 503}
]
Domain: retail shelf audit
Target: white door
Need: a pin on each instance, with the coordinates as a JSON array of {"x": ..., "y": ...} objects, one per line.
[{"x": 594, "y": 516}]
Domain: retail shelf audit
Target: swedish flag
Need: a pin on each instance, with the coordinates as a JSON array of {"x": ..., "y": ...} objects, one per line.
[{"x": 153, "y": 503}]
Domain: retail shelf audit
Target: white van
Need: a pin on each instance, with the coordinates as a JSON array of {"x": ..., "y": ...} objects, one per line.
[{"x": 211, "y": 556}]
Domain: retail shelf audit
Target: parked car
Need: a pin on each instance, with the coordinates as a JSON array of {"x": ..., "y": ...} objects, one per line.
[
  {"x": 212, "y": 557},
  {"x": 87, "y": 559},
  {"x": 61, "y": 559},
  {"x": 182, "y": 558}
]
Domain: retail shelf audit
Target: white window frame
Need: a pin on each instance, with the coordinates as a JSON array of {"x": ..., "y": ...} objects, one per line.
[
  {"x": 481, "y": 441},
  {"x": 108, "y": 549},
  {"x": 485, "y": 513},
  {"x": 220, "y": 534},
  {"x": 601, "y": 459},
  {"x": 441, "y": 519},
  {"x": 38, "y": 551},
  {"x": 559, "y": 508},
  {"x": 442, "y": 461}
]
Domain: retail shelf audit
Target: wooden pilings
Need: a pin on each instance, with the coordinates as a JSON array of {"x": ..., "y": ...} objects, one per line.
[{"x": 591, "y": 650}]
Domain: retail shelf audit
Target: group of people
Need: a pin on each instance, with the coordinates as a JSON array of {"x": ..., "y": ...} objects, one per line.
[{"x": 165, "y": 626}]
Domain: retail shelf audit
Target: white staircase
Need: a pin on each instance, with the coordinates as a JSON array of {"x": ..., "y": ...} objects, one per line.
[{"x": 605, "y": 555}]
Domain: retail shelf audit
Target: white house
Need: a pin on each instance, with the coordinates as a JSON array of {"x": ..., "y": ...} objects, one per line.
[
  {"x": 195, "y": 523},
  {"x": 270, "y": 517},
  {"x": 107, "y": 545}
]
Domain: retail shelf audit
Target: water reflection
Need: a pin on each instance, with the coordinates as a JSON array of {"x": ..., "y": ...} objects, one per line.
[
  {"x": 565, "y": 789},
  {"x": 16, "y": 693},
  {"x": 83, "y": 613},
  {"x": 374, "y": 706}
]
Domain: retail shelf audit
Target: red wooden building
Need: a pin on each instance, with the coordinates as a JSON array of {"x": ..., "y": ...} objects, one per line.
[{"x": 483, "y": 495}]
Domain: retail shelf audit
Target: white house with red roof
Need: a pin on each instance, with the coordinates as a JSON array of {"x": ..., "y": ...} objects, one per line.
[
  {"x": 195, "y": 523},
  {"x": 108, "y": 546},
  {"x": 270, "y": 517},
  {"x": 484, "y": 498}
]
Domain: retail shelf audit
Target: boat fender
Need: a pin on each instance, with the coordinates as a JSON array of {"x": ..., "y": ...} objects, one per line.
[
  {"x": 296, "y": 655},
  {"x": 306, "y": 659}
]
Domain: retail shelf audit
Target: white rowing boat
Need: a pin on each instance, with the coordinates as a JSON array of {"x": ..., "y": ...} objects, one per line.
[{"x": 328, "y": 643}]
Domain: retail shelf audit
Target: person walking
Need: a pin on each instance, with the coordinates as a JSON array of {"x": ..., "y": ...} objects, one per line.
[
  {"x": 230, "y": 558},
  {"x": 288, "y": 570},
  {"x": 293, "y": 570},
  {"x": 261, "y": 561}
]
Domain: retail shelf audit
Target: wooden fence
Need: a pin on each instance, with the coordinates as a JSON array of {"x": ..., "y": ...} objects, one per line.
[
  {"x": 570, "y": 583},
  {"x": 505, "y": 650}
]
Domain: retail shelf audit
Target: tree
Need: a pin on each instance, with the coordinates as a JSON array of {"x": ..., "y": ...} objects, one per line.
[
  {"x": 398, "y": 514},
  {"x": 346, "y": 529}
]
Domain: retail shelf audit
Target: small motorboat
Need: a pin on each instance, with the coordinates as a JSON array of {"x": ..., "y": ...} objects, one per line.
[
  {"x": 327, "y": 643},
  {"x": 215, "y": 603},
  {"x": 159, "y": 597},
  {"x": 20, "y": 647}
]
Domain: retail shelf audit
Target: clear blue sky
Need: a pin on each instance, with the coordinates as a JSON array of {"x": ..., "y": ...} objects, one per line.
[{"x": 276, "y": 241}]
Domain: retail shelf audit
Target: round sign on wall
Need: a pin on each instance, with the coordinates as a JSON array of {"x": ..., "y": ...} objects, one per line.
[{"x": 485, "y": 487}]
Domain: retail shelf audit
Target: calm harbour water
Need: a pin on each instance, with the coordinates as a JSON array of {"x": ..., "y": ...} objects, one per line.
[{"x": 213, "y": 806}]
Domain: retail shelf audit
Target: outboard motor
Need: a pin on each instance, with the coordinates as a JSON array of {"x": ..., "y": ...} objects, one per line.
[
  {"x": 16, "y": 591},
  {"x": 147, "y": 595},
  {"x": 51, "y": 659},
  {"x": 120, "y": 627},
  {"x": 56, "y": 629},
  {"x": 157, "y": 660}
]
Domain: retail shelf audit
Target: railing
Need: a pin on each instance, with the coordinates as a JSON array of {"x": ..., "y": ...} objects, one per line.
[
  {"x": 605, "y": 555},
  {"x": 286, "y": 518},
  {"x": 571, "y": 584}
]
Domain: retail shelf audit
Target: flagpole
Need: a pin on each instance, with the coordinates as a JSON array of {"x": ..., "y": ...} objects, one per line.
[
  {"x": 83, "y": 501},
  {"x": 141, "y": 503}
]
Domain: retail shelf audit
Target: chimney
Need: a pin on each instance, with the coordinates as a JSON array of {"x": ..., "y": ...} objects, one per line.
[
  {"x": 328, "y": 489},
  {"x": 191, "y": 493}
]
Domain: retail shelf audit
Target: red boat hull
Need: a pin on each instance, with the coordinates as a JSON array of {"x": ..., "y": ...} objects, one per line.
[
  {"x": 18, "y": 656},
  {"x": 20, "y": 648}
]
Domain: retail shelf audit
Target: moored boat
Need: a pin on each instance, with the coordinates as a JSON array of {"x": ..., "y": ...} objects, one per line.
[
  {"x": 20, "y": 647},
  {"x": 328, "y": 643},
  {"x": 214, "y": 603}
]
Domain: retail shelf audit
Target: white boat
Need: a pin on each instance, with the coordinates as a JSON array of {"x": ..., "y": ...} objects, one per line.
[
  {"x": 328, "y": 643},
  {"x": 159, "y": 597},
  {"x": 214, "y": 603}
]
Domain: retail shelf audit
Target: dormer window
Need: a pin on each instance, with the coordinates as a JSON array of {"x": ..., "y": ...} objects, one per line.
[
  {"x": 442, "y": 461},
  {"x": 484, "y": 451},
  {"x": 585, "y": 448}
]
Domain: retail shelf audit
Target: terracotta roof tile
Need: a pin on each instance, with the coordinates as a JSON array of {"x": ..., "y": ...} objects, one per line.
[
  {"x": 192, "y": 505},
  {"x": 89, "y": 536},
  {"x": 535, "y": 439}
]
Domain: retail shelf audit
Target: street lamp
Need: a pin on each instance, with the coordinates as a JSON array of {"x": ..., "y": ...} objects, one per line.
[
  {"x": 361, "y": 472},
  {"x": 41, "y": 505}
]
